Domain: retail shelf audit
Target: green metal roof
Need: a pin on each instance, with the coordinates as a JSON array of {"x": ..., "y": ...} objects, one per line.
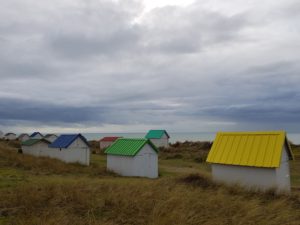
[
  {"x": 30, "y": 142},
  {"x": 156, "y": 134},
  {"x": 128, "y": 146}
]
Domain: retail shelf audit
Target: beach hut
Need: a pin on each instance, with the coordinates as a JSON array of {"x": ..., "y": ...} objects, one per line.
[
  {"x": 36, "y": 135},
  {"x": 35, "y": 147},
  {"x": 70, "y": 148},
  {"x": 50, "y": 137},
  {"x": 258, "y": 160},
  {"x": 23, "y": 137},
  {"x": 133, "y": 157},
  {"x": 107, "y": 141},
  {"x": 10, "y": 136},
  {"x": 160, "y": 138}
]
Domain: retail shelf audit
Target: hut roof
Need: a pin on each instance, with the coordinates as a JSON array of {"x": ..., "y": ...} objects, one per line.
[
  {"x": 35, "y": 133},
  {"x": 65, "y": 140},
  {"x": 31, "y": 142},
  {"x": 257, "y": 149},
  {"x": 128, "y": 146},
  {"x": 156, "y": 134}
]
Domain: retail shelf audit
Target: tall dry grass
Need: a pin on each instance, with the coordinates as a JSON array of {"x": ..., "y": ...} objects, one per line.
[
  {"x": 79, "y": 199},
  {"x": 164, "y": 201}
]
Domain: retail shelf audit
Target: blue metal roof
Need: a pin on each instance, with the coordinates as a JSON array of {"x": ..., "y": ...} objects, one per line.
[
  {"x": 35, "y": 133},
  {"x": 65, "y": 140}
]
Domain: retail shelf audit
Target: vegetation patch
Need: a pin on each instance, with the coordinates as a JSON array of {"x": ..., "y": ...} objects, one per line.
[
  {"x": 47, "y": 191},
  {"x": 198, "y": 180}
]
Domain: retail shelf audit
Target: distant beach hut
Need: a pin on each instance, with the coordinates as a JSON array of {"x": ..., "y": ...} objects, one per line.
[
  {"x": 252, "y": 159},
  {"x": 35, "y": 147},
  {"x": 133, "y": 157},
  {"x": 107, "y": 141},
  {"x": 160, "y": 138},
  {"x": 50, "y": 137},
  {"x": 23, "y": 137},
  {"x": 70, "y": 148},
  {"x": 10, "y": 136},
  {"x": 36, "y": 135}
]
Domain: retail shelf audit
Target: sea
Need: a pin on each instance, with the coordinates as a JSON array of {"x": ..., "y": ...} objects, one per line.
[{"x": 177, "y": 136}]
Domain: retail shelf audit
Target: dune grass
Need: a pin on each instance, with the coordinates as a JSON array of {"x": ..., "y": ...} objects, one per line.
[{"x": 46, "y": 191}]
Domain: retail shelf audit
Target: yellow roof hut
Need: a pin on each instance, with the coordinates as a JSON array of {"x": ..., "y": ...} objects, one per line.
[{"x": 253, "y": 159}]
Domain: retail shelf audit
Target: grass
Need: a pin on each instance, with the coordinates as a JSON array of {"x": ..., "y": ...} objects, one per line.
[{"x": 44, "y": 191}]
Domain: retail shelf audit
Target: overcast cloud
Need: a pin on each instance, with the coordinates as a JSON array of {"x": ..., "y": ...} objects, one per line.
[{"x": 118, "y": 66}]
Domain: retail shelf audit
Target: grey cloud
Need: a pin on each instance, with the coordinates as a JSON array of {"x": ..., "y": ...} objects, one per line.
[
  {"x": 129, "y": 111},
  {"x": 89, "y": 63},
  {"x": 258, "y": 113},
  {"x": 190, "y": 29},
  {"x": 79, "y": 45}
]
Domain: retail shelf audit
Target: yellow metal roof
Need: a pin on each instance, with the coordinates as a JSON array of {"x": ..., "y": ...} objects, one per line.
[{"x": 258, "y": 149}]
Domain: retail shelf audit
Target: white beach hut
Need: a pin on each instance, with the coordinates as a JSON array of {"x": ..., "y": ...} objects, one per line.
[
  {"x": 133, "y": 157},
  {"x": 107, "y": 141},
  {"x": 160, "y": 138},
  {"x": 23, "y": 137},
  {"x": 35, "y": 147},
  {"x": 10, "y": 136},
  {"x": 50, "y": 137},
  {"x": 70, "y": 148},
  {"x": 36, "y": 135},
  {"x": 252, "y": 159}
]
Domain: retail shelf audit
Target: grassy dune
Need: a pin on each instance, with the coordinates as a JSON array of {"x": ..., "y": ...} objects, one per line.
[{"x": 46, "y": 191}]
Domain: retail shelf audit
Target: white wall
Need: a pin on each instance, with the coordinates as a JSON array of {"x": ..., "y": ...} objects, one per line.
[
  {"x": 255, "y": 177},
  {"x": 162, "y": 142},
  {"x": 39, "y": 149},
  {"x": 105, "y": 144},
  {"x": 77, "y": 152},
  {"x": 144, "y": 164},
  {"x": 283, "y": 179}
]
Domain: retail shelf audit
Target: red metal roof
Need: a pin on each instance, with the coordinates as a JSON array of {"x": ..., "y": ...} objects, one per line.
[{"x": 109, "y": 138}]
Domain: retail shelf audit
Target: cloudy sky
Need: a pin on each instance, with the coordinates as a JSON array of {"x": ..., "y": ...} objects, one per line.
[{"x": 128, "y": 66}]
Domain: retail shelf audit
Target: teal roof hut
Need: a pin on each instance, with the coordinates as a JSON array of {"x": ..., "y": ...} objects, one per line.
[{"x": 160, "y": 138}]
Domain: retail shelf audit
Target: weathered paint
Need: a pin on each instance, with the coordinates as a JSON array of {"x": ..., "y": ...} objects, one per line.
[
  {"x": 255, "y": 177},
  {"x": 143, "y": 164}
]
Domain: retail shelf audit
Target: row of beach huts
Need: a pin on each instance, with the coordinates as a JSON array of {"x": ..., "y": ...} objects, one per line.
[{"x": 252, "y": 159}]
